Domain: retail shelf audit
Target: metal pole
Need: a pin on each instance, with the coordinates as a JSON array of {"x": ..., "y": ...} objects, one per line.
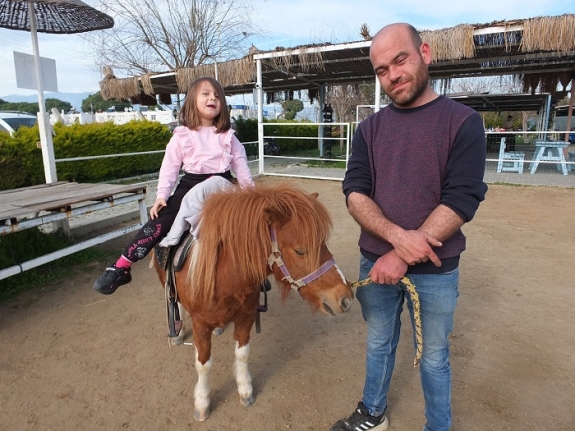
[
  {"x": 377, "y": 95},
  {"x": 43, "y": 118},
  {"x": 260, "y": 97},
  {"x": 320, "y": 130}
]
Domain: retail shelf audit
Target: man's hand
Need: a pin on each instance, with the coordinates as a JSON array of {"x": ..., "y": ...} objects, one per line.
[
  {"x": 388, "y": 269},
  {"x": 414, "y": 246},
  {"x": 158, "y": 205}
]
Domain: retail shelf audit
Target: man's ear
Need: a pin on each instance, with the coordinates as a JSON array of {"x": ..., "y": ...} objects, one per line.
[{"x": 425, "y": 51}]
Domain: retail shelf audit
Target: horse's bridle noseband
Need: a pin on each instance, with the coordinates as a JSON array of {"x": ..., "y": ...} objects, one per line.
[{"x": 276, "y": 257}]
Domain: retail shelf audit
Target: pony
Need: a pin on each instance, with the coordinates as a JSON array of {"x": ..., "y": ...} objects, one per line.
[{"x": 246, "y": 236}]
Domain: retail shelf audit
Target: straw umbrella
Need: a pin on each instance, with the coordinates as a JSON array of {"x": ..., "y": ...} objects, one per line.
[{"x": 50, "y": 16}]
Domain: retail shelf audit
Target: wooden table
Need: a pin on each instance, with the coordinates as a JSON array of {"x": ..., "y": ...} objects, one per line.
[
  {"x": 544, "y": 152},
  {"x": 34, "y": 206}
]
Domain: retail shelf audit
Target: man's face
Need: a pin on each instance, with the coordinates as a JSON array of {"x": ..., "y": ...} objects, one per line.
[{"x": 401, "y": 67}]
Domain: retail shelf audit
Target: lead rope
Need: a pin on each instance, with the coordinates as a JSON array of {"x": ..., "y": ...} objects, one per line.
[{"x": 416, "y": 312}]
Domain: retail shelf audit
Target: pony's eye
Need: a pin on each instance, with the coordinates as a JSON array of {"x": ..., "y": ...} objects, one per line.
[{"x": 300, "y": 251}]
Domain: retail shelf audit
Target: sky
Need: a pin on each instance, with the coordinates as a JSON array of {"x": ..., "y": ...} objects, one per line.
[{"x": 284, "y": 23}]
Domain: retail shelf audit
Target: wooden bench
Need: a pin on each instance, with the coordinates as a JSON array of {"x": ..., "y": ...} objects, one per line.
[{"x": 35, "y": 206}]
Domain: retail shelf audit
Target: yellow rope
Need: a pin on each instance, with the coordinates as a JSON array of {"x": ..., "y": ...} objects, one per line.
[{"x": 416, "y": 312}]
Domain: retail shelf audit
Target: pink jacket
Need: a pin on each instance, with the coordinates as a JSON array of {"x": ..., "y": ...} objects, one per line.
[{"x": 202, "y": 151}]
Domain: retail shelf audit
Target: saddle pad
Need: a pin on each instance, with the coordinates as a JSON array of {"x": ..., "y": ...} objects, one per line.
[
  {"x": 182, "y": 250},
  {"x": 176, "y": 254}
]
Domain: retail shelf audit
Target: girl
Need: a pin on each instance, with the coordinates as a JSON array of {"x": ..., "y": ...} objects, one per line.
[{"x": 205, "y": 145}]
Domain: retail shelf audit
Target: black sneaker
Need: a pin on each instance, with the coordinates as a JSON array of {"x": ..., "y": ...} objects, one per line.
[
  {"x": 111, "y": 279},
  {"x": 361, "y": 420}
]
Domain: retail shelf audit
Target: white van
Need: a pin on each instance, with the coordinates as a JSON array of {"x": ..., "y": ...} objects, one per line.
[{"x": 10, "y": 121}]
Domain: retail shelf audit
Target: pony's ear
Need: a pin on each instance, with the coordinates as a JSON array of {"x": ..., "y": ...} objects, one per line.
[
  {"x": 314, "y": 195},
  {"x": 275, "y": 217}
]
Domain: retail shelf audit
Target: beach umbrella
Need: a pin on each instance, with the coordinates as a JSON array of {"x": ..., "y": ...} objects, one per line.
[{"x": 50, "y": 16}]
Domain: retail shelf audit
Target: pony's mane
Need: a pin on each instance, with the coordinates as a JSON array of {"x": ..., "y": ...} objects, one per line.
[{"x": 239, "y": 220}]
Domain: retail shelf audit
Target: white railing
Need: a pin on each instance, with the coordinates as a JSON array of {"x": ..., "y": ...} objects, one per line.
[
  {"x": 164, "y": 117},
  {"x": 328, "y": 158}
]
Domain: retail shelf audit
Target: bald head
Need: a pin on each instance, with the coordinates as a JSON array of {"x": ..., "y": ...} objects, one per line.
[
  {"x": 399, "y": 29},
  {"x": 400, "y": 60}
]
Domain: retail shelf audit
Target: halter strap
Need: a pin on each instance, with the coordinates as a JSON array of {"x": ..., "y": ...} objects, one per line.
[{"x": 276, "y": 258}]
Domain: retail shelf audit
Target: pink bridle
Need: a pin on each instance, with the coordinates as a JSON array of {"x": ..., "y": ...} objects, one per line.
[{"x": 276, "y": 257}]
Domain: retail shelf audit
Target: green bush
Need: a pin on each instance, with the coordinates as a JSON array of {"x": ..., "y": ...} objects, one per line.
[
  {"x": 293, "y": 128},
  {"x": 21, "y": 159},
  {"x": 246, "y": 129},
  {"x": 20, "y": 247}
]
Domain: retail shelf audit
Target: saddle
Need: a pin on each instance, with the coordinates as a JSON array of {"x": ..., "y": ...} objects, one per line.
[
  {"x": 172, "y": 260},
  {"x": 176, "y": 254}
]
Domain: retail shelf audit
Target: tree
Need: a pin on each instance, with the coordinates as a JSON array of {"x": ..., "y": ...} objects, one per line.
[
  {"x": 32, "y": 108},
  {"x": 291, "y": 108},
  {"x": 153, "y": 36},
  {"x": 94, "y": 103},
  {"x": 345, "y": 98},
  {"x": 60, "y": 105}
]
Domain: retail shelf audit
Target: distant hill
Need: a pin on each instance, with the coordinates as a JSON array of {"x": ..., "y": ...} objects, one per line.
[{"x": 74, "y": 99}]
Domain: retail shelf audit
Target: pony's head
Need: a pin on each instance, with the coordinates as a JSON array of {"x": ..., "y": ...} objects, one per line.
[
  {"x": 243, "y": 220},
  {"x": 300, "y": 258}
]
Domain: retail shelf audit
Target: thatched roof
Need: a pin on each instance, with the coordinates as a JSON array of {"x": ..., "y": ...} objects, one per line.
[{"x": 539, "y": 50}]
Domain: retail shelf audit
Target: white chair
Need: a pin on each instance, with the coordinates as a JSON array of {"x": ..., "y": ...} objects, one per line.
[{"x": 510, "y": 161}]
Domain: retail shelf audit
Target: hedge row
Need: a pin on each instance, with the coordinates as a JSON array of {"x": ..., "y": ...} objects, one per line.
[
  {"x": 21, "y": 158},
  {"x": 247, "y": 131}
]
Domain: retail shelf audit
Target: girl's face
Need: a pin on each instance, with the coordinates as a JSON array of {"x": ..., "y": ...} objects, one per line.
[{"x": 208, "y": 104}]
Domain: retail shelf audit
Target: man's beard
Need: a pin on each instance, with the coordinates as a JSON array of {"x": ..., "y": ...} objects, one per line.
[{"x": 420, "y": 83}]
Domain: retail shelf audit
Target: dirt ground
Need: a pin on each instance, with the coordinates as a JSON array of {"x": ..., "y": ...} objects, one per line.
[{"x": 71, "y": 359}]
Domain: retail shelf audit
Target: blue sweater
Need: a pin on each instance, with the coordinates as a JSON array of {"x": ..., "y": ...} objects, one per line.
[{"x": 409, "y": 161}]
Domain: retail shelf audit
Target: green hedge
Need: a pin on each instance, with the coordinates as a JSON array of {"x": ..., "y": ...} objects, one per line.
[
  {"x": 21, "y": 159},
  {"x": 247, "y": 131},
  {"x": 293, "y": 128}
]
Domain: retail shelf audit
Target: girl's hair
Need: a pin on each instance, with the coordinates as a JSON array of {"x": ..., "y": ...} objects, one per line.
[{"x": 189, "y": 115}]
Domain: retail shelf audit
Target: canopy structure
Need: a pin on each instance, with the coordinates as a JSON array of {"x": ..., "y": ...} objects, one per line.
[
  {"x": 50, "y": 16},
  {"x": 485, "y": 102},
  {"x": 53, "y": 16},
  {"x": 540, "y": 51}
]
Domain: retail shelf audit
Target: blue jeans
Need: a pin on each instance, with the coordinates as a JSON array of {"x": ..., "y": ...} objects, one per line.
[{"x": 381, "y": 306}]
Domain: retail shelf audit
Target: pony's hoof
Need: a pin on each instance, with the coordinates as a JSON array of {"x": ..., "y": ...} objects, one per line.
[
  {"x": 247, "y": 401},
  {"x": 176, "y": 341},
  {"x": 201, "y": 416}
]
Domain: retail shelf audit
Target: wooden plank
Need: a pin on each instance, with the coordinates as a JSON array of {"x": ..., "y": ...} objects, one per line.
[
  {"x": 56, "y": 196},
  {"x": 69, "y": 194},
  {"x": 11, "y": 212},
  {"x": 38, "y": 186},
  {"x": 92, "y": 195}
]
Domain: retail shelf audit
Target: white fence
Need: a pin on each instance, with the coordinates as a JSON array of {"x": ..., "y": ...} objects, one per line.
[
  {"x": 164, "y": 117},
  {"x": 547, "y": 158}
]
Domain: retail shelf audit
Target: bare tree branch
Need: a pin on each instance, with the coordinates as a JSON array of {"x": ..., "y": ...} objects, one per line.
[{"x": 154, "y": 36}]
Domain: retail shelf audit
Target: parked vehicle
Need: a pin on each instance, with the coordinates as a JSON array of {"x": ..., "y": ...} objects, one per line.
[{"x": 10, "y": 121}]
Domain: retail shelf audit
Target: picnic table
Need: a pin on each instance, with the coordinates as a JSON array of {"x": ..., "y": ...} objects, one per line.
[
  {"x": 34, "y": 206},
  {"x": 544, "y": 152}
]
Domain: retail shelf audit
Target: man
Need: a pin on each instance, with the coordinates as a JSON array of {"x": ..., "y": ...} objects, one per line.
[{"x": 414, "y": 178}]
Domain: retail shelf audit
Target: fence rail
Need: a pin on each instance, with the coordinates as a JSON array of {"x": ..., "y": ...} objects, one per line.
[{"x": 326, "y": 157}]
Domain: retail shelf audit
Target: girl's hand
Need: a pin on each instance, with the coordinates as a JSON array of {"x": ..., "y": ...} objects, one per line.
[{"x": 158, "y": 205}]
